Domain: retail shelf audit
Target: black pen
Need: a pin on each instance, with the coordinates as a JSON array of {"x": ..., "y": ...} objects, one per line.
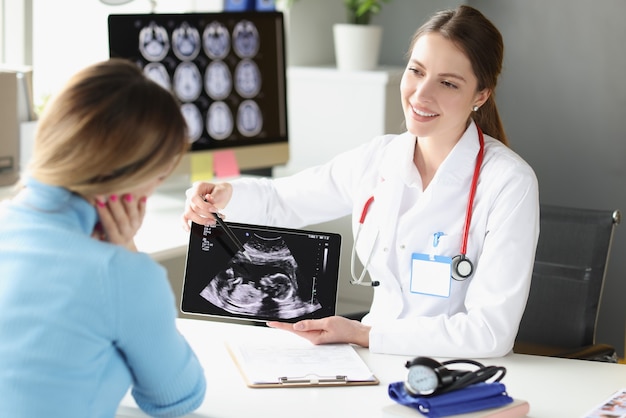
[{"x": 230, "y": 234}]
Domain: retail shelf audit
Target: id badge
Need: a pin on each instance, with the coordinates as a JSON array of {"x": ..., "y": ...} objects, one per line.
[{"x": 430, "y": 274}]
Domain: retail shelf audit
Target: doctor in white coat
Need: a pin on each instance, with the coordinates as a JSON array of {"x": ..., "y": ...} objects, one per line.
[{"x": 449, "y": 234}]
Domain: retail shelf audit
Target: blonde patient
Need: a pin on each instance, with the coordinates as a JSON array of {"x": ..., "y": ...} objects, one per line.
[{"x": 85, "y": 316}]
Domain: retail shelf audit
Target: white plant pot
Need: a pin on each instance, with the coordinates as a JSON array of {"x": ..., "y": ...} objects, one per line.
[{"x": 357, "y": 47}]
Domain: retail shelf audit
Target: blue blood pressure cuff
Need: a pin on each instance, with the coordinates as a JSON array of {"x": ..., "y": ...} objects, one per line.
[{"x": 472, "y": 398}]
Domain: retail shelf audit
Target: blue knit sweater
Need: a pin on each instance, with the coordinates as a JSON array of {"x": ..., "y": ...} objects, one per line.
[{"x": 82, "y": 320}]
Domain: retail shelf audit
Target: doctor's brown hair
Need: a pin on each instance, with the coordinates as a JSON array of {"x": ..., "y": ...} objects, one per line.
[
  {"x": 108, "y": 130},
  {"x": 482, "y": 43}
]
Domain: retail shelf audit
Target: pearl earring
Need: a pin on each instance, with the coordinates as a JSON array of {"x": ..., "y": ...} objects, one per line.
[{"x": 475, "y": 108}]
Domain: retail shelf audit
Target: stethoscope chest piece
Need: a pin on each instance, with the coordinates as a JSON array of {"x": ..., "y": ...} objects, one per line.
[{"x": 461, "y": 267}]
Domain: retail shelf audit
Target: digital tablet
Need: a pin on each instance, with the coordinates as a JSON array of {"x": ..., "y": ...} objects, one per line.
[{"x": 281, "y": 274}]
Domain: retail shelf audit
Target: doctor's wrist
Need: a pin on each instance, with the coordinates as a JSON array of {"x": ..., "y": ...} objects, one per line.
[{"x": 362, "y": 335}]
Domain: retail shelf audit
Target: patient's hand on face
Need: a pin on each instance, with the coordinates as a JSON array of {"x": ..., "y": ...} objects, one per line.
[
  {"x": 333, "y": 329},
  {"x": 120, "y": 219}
]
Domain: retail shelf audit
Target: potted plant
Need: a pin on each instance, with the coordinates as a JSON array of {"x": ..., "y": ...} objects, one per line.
[
  {"x": 360, "y": 12},
  {"x": 357, "y": 42}
]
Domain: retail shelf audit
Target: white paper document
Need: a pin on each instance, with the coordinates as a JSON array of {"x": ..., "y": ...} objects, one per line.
[{"x": 302, "y": 364}]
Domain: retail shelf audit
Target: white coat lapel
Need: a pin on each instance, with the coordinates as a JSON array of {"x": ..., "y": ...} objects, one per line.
[{"x": 389, "y": 192}]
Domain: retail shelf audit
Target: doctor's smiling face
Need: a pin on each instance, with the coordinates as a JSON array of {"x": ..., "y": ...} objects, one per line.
[{"x": 439, "y": 89}]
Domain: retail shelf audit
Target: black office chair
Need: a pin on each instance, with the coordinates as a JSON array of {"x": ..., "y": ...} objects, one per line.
[{"x": 568, "y": 277}]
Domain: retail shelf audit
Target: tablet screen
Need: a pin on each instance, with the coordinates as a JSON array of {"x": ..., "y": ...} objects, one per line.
[{"x": 282, "y": 274}]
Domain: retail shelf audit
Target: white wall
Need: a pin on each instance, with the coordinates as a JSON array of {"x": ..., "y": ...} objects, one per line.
[
  {"x": 2, "y": 15},
  {"x": 562, "y": 98},
  {"x": 16, "y": 32},
  {"x": 68, "y": 35},
  {"x": 310, "y": 22},
  {"x": 71, "y": 34}
]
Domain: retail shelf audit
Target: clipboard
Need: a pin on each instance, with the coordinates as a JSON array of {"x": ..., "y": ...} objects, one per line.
[{"x": 264, "y": 365}]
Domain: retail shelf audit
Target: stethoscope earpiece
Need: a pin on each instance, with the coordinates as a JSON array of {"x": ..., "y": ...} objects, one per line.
[{"x": 362, "y": 283}]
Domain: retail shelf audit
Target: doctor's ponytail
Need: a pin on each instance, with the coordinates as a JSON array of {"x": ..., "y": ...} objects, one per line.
[{"x": 482, "y": 43}]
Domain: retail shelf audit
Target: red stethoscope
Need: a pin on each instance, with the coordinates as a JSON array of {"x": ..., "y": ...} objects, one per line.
[{"x": 461, "y": 267}]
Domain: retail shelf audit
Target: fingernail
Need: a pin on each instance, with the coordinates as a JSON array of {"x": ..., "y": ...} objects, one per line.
[
  {"x": 143, "y": 199},
  {"x": 128, "y": 197},
  {"x": 113, "y": 198},
  {"x": 100, "y": 203}
]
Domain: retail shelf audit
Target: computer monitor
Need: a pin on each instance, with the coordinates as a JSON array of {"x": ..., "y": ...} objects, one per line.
[{"x": 228, "y": 72}]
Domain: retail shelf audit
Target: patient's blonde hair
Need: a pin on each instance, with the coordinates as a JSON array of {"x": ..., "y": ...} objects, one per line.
[{"x": 109, "y": 130}]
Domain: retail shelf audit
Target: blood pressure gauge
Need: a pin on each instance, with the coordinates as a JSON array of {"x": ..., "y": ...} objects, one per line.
[
  {"x": 421, "y": 380},
  {"x": 425, "y": 376}
]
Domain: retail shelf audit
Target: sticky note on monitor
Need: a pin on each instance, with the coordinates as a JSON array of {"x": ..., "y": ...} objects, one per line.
[
  {"x": 201, "y": 166},
  {"x": 225, "y": 164}
]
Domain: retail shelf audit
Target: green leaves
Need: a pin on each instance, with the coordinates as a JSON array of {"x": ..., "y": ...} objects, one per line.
[{"x": 361, "y": 11}]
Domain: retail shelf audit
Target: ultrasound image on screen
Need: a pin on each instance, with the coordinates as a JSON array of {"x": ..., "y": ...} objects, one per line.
[{"x": 282, "y": 274}]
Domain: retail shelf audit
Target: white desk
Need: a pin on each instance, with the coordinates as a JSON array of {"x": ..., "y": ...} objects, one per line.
[
  {"x": 554, "y": 387},
  {"x": 161, "y": 234}
]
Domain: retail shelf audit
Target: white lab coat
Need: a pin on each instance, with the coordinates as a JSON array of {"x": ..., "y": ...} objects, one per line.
[{"x": 480, "y": 318}]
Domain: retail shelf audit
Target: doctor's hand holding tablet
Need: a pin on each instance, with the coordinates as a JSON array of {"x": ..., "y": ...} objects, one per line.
[{"x": 445, "y": 215}]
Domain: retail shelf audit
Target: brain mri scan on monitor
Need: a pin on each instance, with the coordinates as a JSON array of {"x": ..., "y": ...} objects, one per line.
[{"x": 226, "y": 69}]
